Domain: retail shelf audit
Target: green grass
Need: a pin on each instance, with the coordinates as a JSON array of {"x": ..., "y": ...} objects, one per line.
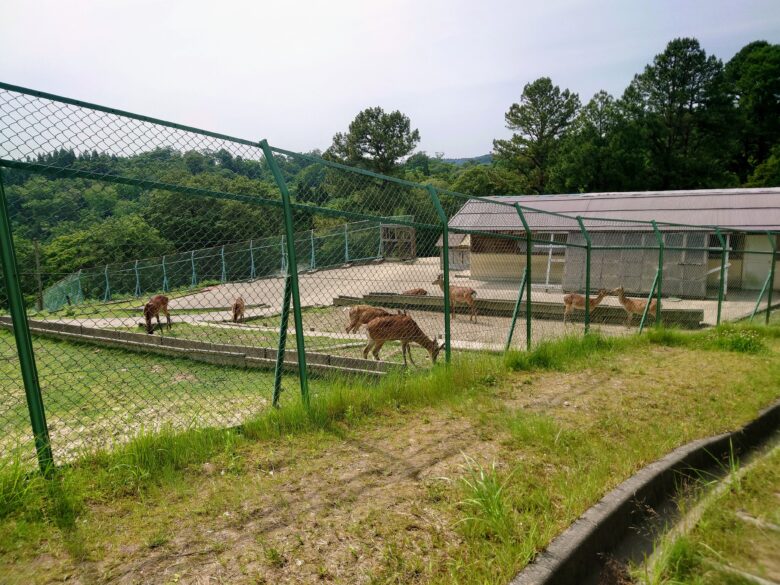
[
  {"x": 722, "y": 537},
  {"x": 538, "y": 464}
]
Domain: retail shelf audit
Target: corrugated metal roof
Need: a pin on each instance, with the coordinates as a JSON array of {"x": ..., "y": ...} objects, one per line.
[{"x": 741, "y": 209}]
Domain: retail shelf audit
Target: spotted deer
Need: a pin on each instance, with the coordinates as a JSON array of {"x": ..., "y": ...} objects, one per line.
[
  {"x": 152, "y": 309},
  {"x": 361, "y": 315},
  {"x": 460, "y": 295},
  {"x": 575, "y": 301},
  {"x": 398, "y": 328},
  {"x": 238, "y": 309},
  {"x": 634, "y": 306}
]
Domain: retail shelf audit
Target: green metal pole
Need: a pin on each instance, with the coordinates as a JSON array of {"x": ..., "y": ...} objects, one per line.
[
  {"x": 165, "y": 276},
  {"x": 80, "y": 293},
  {"x": 313, "y": 260},
  {"x": 223, "y": 277},
  {"x": 285, "y": 315},
  {"x": 194, "y": 281},
  {"x": 529, "y": 250},
  {"x": 292, "y": 270},
  {"x": 647, "y": 303},
  {"x": 32, "y": 388},
  {"x": 346, "y": 244},
  {"x": 722, "y": 281},
  {"x": 137, "y": 280},
  {"x": 107, "y": 292},
  {"x": 445, "y": 247},
  {"x": 252, "y": 271},
  {"x": 588, "y": 245},
  {"x": 516, "y": 311},
  {"x": 660, "y": 280},
  {"x": 772, "y": 242},
  {"x": 760, "y": 296}
]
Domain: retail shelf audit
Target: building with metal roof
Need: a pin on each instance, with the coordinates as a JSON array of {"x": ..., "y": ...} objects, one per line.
[{"x": 687, "y": 221}]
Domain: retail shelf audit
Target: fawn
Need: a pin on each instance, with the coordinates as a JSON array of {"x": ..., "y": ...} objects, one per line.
[
  {"x": 238, "y": 309},
  {"x": 575, "y": 301},
  {"x": 152, "y": 309},
  {"x": 361, "y": 315},
  {"x": 634, "y": 306}
]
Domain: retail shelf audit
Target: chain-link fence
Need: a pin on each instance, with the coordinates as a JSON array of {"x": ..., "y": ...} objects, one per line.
[{"x": 279, "y": 270}]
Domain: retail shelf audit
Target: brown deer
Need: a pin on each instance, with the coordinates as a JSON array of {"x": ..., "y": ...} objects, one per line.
[
  {"x": 634, "y": 306},
  {"x": 415, "y": 292},
  {"x": 460, "y": 294},
  {"x": 361, "y": 315},
  {"x": 398, "y": 328},
  {"x": 152, "y": 309},
  {"x": 238, "y": 309},
  {"x": 574, "y": 301}
]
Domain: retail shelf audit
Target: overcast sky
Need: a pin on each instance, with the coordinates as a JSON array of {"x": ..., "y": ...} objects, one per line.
[{"x": 296, "y": 72}]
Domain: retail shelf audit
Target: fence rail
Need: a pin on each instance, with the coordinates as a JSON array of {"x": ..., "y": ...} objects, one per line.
[{"x": 169, "y": 208}]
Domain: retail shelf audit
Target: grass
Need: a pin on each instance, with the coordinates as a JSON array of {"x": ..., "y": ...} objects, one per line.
[
  {"x": 533, "y": 463},
  {"x": 723, "y": 536}
]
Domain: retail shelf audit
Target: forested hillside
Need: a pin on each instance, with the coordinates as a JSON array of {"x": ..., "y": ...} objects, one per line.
[{"x": 686, "y": 121}]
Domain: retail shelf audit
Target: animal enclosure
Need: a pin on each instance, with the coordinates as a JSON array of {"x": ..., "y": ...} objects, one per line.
[{"x": 209, "y": 219}]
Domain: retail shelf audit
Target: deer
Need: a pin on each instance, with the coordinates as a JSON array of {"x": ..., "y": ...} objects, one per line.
[
  {"x": 575, "y": 301},
  {"x": 460, "y": 294},
  {"x": 398, "y": 328},
  {"x": 152, "y": 309},
  {"x": 238, "y": 309},
  {"x": 634, "y": 306},
  {"x": 361, "y": 315},
  {"x": 416, "y": 292}
]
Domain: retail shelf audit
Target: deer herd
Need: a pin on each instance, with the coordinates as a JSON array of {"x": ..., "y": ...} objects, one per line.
[{"x": 382, "y": 326}]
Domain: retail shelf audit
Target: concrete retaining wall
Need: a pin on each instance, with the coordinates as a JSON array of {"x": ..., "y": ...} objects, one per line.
[{"x": 214, "y": 353}]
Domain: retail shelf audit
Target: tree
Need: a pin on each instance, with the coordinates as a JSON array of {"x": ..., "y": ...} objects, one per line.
[
  {"x": 539, "y": 120},
  {"x": 681, "y": 101},
  {"x": 767, "y": 174},
  {"x": 485, "y": 180},
  {"x": 114, "y": 240},
  {"x": 376, "y": 141},
  {"x": 753, "y": 75}
]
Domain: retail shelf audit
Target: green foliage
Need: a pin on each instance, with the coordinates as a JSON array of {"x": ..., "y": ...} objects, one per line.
[
  {"x": 117, "y": 239},
  {"x": 375, "y": 140},
  {"x": 539, "y": 120},
  {"x": 559, "y": 353},
  {"x": 485, "y": 180}
]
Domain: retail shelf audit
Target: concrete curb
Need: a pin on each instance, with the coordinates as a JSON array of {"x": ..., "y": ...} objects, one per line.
[{"x": 578, "y": 553}]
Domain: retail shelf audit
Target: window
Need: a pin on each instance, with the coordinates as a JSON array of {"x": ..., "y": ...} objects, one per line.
[{"x": 556, "y": 246}]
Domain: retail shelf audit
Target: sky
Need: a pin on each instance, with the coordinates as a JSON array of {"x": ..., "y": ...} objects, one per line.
[{"x": 296, "y": 72}]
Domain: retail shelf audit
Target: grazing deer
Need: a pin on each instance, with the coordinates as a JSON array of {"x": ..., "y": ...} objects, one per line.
[
  {"x": 398, "y": 328},
  {"x": 416, "y": 292},
  {"x": 634, "y": 306},
  {"x": 238, "y": 309},
  {"x": 460, "y": 294},
  {"x": 152, "y": 309},
  {"x": 574, "y": 301},
  {"x": 361, "y": 315}
]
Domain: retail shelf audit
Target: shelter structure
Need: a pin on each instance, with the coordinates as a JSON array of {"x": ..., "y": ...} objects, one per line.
[{"x": 621, "y": 225}]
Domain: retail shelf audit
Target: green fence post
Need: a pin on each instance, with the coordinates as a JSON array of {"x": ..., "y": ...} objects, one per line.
[
  {"x": 293, "y": 269},
  {"x": 284, "y": 319},
  {"x": 529, "y": 252},
  {"x": 515, "y": 311},
  {"x": 445, "y": 264},
  {"x": 80, "y": 292},
  {"x": 252, "y": 271},
  {"x": 32, "y": 388},
  {"x": 643, "y": 320},
  {"x": 588, "y": 245},
  {"x": 346, "y": 244},
  {"x": 283, "y": 267},
  {"x": 313, "y": 259},
  {"x": 223, "y": 277},
  {"x": 722, "y": 281},
  {"x": 772, "y": 242},
  {"x": 194, "y": 279},
  {"x": 107, "y": 291},
  {"x": 165, "y": 276},
  {"x": 660, "y": 279},
  {"x": 137, "y": 280}
]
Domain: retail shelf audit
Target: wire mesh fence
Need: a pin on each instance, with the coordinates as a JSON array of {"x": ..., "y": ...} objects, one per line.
[{"x": 278, "y": 271}]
